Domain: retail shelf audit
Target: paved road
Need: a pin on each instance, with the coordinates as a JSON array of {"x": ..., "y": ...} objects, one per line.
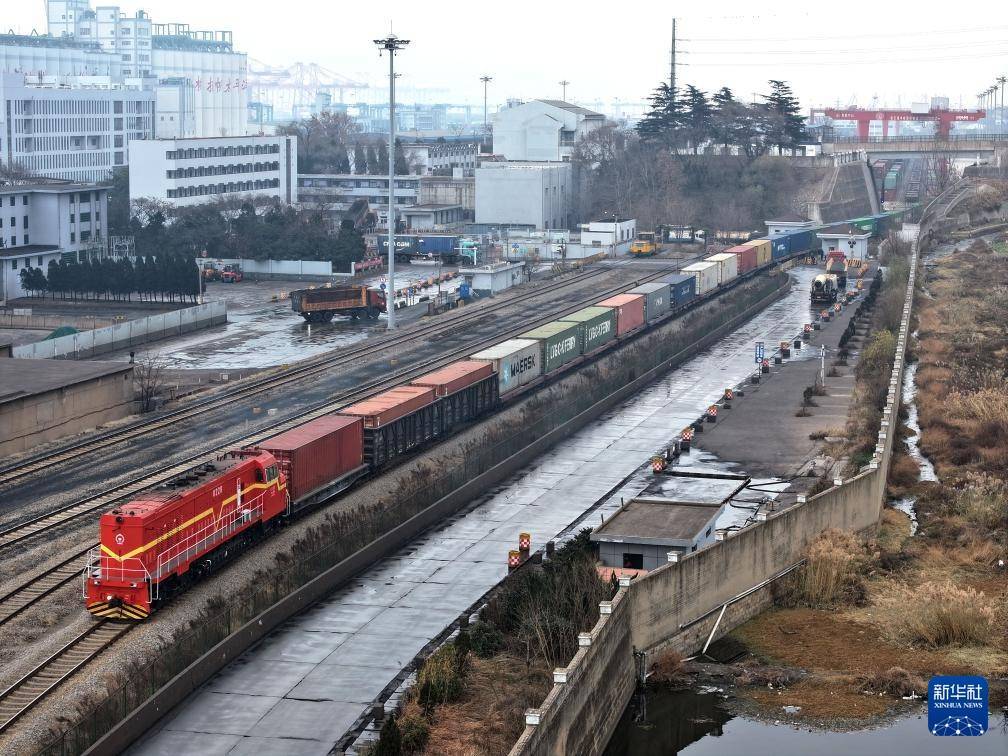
[{"x": 300, "y": 690}]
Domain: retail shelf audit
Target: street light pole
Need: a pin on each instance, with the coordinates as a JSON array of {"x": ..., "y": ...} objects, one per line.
[
  {"x": 1001, "y": 80},
  {"x": 391, "y": 44},
  {"x": 486, "y": 80},
  {"x": 564, "y": 84}
]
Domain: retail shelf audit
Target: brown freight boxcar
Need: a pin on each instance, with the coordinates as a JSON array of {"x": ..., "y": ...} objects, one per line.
[{"x": 320, "y": 305}]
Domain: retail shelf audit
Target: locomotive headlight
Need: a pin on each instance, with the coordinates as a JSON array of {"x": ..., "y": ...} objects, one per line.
[{"x": 109, "y": 597}]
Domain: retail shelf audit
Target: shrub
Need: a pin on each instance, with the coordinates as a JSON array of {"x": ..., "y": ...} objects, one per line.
[
  {"x": 414, "y": 730},
  {"x": 668, "y": 670},
  {"x": 937, "y": 614},
  {"x": 763, "y": 676},
  {"x": 486, "y": 640},
  {"x": 389, "y": 739},
  {"x": 831, "y": 575},
  {"x": 439, "y": 680},
  {"x": 895, "y": 681}
]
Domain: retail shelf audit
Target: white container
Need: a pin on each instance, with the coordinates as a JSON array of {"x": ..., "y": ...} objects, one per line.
[
  {"x": 706, "y": 275},
  {"x": 517, "y": 362},
  {"x": 727, "y": 263}
]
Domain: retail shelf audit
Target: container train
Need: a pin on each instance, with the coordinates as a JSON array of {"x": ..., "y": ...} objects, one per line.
[{"x": 158, "y": 544}]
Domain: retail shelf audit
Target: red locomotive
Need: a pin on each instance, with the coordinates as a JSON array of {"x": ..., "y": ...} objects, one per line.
[{"x": 158, "y": 544}]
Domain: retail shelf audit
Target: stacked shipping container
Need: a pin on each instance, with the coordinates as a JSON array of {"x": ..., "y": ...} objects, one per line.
[
  {"x": 682, "y": 288},
  {"x": 560, "y": 343},
  {"x": 598, "y": 326},
  {"x": 629, "y": 311},
  {"x": 657, "y": 299},
  {"x": 727, "y": 263},
  {"x": 517, "y": 362},
  {"x": 706, "y": 275}
]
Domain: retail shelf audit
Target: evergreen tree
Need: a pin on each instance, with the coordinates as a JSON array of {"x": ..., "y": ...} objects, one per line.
[
  {"x": 360, "y": 165},
  {"x": 382, "y": 154},
  {"x": 662, "y": 122},
  {"x": 697, "y": 118},
  {"x": 786, "y": 125},
  {"x": 372, "y": 161},
  {"x": 348, "y": 247},
  {"x": 401, "y": 165},
  {"x": 341, "y": 164}
]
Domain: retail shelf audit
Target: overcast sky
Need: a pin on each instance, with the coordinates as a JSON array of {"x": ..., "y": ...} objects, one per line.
[{"x": 843, "y": 52}]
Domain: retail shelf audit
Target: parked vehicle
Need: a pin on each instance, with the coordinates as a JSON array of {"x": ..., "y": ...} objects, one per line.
[
  {"x": 644, "y": 244},
  {"x": 824, "y": 289},
  {"x": 231, "y": 274},
  {"x": 320, "y": 305}
]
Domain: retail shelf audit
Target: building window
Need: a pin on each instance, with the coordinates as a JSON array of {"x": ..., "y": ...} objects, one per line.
[
  {"x": 13, "y": 263},
  {"x": 85, "y": 236},
  {"x": 26, "y": 243},
  {"x": 40, "y": 261},
  {"x": 24, "y": 223},
  {"x": 13, "y": 241},
  {"x": 73, "y": 237},
  {"x": 24, "y": 200},
  {"x": 708, "y": 532},
  {"x": 633, "y": 561},
  {"x": 693, "y": 547}
]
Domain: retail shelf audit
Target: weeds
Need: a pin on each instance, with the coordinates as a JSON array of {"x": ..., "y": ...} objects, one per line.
[
  {"x": 895, "y": 681},
  {"x": 937, "y": 614},
  {"x": 832, "y": 575}
]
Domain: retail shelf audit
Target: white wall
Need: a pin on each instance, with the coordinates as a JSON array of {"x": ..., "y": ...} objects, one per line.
[
  {"x": 532, "y": 131},
  {"x": 538, "y": 195},
  {"x": 150, "y": 165}
]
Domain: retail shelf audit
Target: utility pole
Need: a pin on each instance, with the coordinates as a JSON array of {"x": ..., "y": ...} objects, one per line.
[
  {"x": 672, "y": 60},
  {"x": 564, "y": 84},
  {"x": 1001, "y": 80},
  {"x": 486, "y": 80},
  {"x": 391, "y": 44}
]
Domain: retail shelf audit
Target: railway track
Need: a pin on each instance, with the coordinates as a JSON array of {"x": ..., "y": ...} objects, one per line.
[
  {"x": 19, "y": 599},
  {"x": 36, "y": 588},
  {"x": 46, "y": 460},
  {"x": 20, "y": 697}
]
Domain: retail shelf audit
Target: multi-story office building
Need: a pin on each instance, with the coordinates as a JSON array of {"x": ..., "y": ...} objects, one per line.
[
  {"x": 106, "y": 42},
  {"x": 443, "y": 158},
  {"x": 339, "y": 190},
  {"x": 194, "y": 171},
  {"x": 76, "y": 128},
  {"x": 44, "y": 221}
]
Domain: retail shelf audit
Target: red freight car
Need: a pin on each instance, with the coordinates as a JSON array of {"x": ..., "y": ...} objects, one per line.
[
  {"x": 629, "y": 311},
  {"x": 319, "y": 459},
  {"x": 153, "y": 546},
  {"x": 746, "y": 257}
]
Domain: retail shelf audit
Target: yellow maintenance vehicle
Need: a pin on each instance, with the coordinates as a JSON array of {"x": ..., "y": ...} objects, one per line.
[{"x": 644, "y": 244}]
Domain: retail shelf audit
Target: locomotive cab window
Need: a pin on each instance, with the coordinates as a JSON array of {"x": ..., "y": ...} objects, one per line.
[
  {"x": 259, "y": 475},
  {"x": 271, "y": 473}
]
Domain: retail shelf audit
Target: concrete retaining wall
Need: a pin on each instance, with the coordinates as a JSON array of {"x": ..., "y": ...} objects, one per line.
[
  {"x": 678, "y": 605},
  {"x": 124, "y": 335}
]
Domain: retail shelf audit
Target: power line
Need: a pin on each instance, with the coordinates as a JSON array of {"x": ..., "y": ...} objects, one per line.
[
  {"x": 999, "y": 43},
  {"x": 886, "y": 35},
  {"x": 847, "y": 62}
]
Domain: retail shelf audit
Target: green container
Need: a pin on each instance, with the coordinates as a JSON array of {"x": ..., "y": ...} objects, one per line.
[
  {"x": 561, "y": 343},
  {"x": 865, "y": 224},
  {"x": 598, "y": 326}
]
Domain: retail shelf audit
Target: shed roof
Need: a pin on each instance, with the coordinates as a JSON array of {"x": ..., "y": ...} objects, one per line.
[
  {"x": 657, "y": 521},
  {"x": 20, "y": 378},
  {"x": 571, "y": 108}
]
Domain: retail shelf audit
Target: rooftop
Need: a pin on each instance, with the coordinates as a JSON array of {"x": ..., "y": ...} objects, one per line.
[
  {"x": 657, "y": 521},
  {"x": 20, "y": 378},
  {"x": 50, "y": 186},
  {"x": 790, "y": 218},
  {"x": 429, "y": 208},
  {"x": 844, "y": 231},
  {"x": 27, "y": 249},
  {"x": 570, "y": 107}
]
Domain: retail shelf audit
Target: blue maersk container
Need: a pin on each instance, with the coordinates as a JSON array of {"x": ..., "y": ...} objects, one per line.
[{"x": 683, "y": 288}]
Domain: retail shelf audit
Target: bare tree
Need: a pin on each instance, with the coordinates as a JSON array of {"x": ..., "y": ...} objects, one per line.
[{"x": 148, "y": 378}]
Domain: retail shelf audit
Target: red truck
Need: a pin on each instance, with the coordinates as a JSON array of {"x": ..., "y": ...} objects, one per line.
[
  {"x": 320, "y": 305},
  {"x": 231, "y": 274}
]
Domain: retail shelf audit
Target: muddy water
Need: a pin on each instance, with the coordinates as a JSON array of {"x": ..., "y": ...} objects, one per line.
[{"x": 699, "y": 724}]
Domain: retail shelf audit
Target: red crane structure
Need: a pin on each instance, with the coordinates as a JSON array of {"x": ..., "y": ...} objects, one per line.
[{"x": 943, "y": 117}]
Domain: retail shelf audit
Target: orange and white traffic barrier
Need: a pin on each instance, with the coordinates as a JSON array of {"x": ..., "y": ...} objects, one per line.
[
  {"x": 514, "y": 560},
  {"x": 524, "y": 543},
  {"x": 712, "y": 413}
]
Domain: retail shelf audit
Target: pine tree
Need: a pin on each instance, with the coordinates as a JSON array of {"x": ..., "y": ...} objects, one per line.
[
  {"x": 341, "y": 164},
  {"x": 662, "y": 123},
  {"x": 787, "y": 125},
  {"x": 382, "y": 153},
  {"x": 372, "y": 161},
  {"x": 697, "y": 118},
  {"x": 360, "y": 165}
]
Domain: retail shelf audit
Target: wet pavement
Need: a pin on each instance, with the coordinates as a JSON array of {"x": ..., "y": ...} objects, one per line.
[
  {"x": 261, "y": 333},
  {"x": 304, "y": 686}
]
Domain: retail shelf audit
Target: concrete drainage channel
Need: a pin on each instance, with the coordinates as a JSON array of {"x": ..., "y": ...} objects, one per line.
[{"x": 760, "y": 295}]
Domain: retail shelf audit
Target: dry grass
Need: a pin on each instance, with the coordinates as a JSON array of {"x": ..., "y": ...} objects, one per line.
[
  {"x": 668, "y": 670},
  {"x": 832, "y": 575},
  {"x": 936, "y": 614},
  {"x": 895, "y": 681},
  {"x": 490, "y": 715}
]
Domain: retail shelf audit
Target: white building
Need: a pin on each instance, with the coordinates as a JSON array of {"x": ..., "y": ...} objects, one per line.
[
  {"x": 106, "y": 42},
  {"x": 194, "y": 171},
  {"x": 75, "y": 128},
  {"x": 443, "y": 158},
  {"x": 851, "y": 241},
  {"x": 340, "y": 190},
  {"x": 614, "y": 236},
  {"x": 42, "y": 222},
  {"x": 530, "y": 195},
  {"x": 541, "y": 129},
  {"x": 432, "y": 217},
  {"x": 788, "y": 223}
]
